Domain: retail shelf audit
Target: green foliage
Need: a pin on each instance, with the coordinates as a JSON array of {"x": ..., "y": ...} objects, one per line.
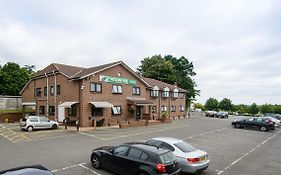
[
  {"x": 253, "y": 109},
  {"x": 12, "y": 79},
  {"x": 226, "y": 104},
  {"x": 199, "y": 106},
  {"x": 212, "y": 104},
  {"x": 170, "y": 69}
]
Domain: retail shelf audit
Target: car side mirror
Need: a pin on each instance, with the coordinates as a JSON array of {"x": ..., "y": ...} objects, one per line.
[{"x": 48, "y": 120}]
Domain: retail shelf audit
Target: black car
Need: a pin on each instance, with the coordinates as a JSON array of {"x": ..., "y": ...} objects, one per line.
[
  {"x": 135, "y": 159},
  {"x": 27, "y": 170},
  {"x": 222, "y": 114},
  {"x": 263, "y": 124}
]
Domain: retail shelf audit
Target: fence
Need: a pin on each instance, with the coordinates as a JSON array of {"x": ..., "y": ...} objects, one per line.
[{"x": 10, "y": 102}]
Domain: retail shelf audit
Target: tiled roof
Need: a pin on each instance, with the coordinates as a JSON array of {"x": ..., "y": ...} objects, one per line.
[{"x": 161, "y": 84}]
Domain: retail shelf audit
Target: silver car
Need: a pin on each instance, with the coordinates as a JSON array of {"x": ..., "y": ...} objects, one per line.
[
  {"x": 37, "y": 122},
  {"x": 190, "y": 159}
]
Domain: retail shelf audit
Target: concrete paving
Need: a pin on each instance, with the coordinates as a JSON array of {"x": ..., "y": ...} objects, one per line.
[{"x": 231, "y": 151}]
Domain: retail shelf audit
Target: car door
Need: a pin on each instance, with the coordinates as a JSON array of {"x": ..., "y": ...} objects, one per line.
[
  {"x": 134, "y": 161},
  {"x": 44, "y": 123},
  {"x": 117, "y": 161},
  {"x": 34, "y": 121}
]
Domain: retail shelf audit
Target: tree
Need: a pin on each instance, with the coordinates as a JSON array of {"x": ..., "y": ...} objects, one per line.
[
  {"x": 253, "y": 109},
  {"x": 12, "y": 79},
  {"x": 198, "y": 106},
  {"x": 212, "y": 104},
  {"x": 226, "y": 104},
  {"x": 170, "y": 69}
]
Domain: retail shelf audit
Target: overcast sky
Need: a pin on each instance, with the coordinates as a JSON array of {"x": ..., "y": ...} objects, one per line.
[{"x": 235, "y": 46}]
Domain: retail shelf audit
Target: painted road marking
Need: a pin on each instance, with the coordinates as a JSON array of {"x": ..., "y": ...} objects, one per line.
[
  {"x": 246, "y": 154},
  {"x": 68, "y": 167},
  {"x": 89, "y": 169}
]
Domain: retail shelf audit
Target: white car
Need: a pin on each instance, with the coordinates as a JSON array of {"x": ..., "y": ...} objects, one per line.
[
  {"x": 190, "y": 159},
  {"x": 37, "y": 122}
]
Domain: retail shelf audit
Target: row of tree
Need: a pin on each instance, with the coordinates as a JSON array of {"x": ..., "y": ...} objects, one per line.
[
  {"x": 13, "y": 78},
  {"x": 227, "y": 105}
]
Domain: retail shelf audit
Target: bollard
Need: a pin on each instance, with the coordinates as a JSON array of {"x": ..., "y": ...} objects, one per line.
[{"x": 7, "y": 120}]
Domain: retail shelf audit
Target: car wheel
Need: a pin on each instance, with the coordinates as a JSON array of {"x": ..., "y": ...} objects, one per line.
[
  {"x": 30, "y": 128},
  {"x": 143, "y": 173},
  {"x": 96, "y": 161},
  {"x": 237, "y": 125},
  {"x": 263, "y": 128},
  {"x": 54, "y": 126}
]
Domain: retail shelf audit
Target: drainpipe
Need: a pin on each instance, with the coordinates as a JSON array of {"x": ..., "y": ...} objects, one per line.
[
  {"x": 55, "y": 88},
  {"x": 47, "y": 105}
]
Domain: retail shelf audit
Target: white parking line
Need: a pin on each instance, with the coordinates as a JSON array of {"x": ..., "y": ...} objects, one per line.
[
  {"x": 68, "y": 167},
  {"x": 89, "y": 169},
  {"x": 252, "y": 150}
]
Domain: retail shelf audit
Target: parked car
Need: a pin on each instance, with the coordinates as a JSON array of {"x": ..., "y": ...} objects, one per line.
[
  {"x": 27, "y": 170},
  {"x": 222, "y": 114},
  {"x": 31, "y": 123},
  {"x": 210, "y": 113},
  {"x": 276, "y": 121},
  {"x": 255, "y": 122},
  {"x": 190, "y": 159},
  {"x": 276, "y": 116},
  {"x": 135, "y": 159}
]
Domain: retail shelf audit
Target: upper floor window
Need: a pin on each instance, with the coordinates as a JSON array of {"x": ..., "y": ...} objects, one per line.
[
  {"x": 117, "y": 89},
  {"x": 175, "y": 93},
  {"x": 181, "y": 108},
  {"x": 116, "y": 110},
  {"x": 58, "y": 89},
  {"x": 154, "y": 92},
  {"x": 45, "y": 91},
  {"x": 52, "y": 90},
  {"x": 136, "y": 91},
  {"x": 173, "y": 108},
  {"x": 165, "y": 93},
  {"x": 52, "y": 110},
  {"x": 38, "y": 92},
  {"x": 95, "y": 87}
]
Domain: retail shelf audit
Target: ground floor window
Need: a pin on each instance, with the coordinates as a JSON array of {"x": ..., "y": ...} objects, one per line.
[
  {"x": 116, "y": 110},
  {"x": 52, "y": 110},
  {"x": 181, "y": 108},
  {"x": 154, "y": 109},
  {"x": 42, "y": 110},
  {"x": 72, "y": 111},
  {"x": 173, "y": 108},
  {"x": 164, "y": 109},
  {"x": 97, "y": 111}
]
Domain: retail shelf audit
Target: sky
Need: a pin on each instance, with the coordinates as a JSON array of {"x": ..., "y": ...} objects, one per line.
[{"x": 235, "y": 45}]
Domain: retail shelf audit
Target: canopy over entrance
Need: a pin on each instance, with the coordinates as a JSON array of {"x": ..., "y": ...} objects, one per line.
[
  {"x": 140, "y": 102},
  {"x": 28, "y": 103},
  {"x": 67, "y": 104},
  {"x": 101, "y": 104}
]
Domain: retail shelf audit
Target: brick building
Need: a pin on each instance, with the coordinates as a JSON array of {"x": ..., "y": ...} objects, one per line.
[{"x": 110, "y": 92}]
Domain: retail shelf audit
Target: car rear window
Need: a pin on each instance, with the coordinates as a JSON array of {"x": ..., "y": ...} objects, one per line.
[
  {"x": 167, "y": 157},
  {"x": 185, "y": 147}
]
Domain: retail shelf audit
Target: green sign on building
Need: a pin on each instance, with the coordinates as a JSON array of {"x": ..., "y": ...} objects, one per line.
[{"x": 117, "y": 80}]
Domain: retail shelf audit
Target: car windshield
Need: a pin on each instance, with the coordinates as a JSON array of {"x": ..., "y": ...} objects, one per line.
[
  {"x": 167, "y": 157},
  {"x": 185, "y": 147}
]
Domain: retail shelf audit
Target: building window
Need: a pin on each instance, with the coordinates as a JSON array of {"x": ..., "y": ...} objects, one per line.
[
  {"x": 72, "y": 111},
  {"x": 181, "y": 108},
  {"x": 136, "y": 91},
  {"x": 95, "y": 87},
  {"x": 154, "y": 92},
  {"x": 154, "y": 109},
  {"x": 116, "y": 110},
  {"x": 181, "y": 95},
  {"x": 117, "y": 89},
  {"x": 97, "y": 111},
  {"x": 38, "y": 92},
  {"x": 175, "y": 93},
  {"x": 173, "y": 108},
  {"x": 165, "y": 93},
  {"x": 52, "y": 90},
  {"x": 58, "y": 89},
  {"x": 51, "y": 110},
  {"x": 45, "y": 91},
  {"x": 41, "y": 109},
  {"x": 164, "y": 109}
]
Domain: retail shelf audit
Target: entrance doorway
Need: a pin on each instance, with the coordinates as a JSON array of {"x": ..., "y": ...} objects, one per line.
[{"x": 138, "y": 112}]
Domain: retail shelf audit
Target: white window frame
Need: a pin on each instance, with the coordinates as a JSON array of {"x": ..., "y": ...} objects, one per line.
[
  {"x": 175, "y": 93},
  {"x": 163, "y": 108},
  {"x": 136, "y": 90},
  {"x": 116, "y": 89},
  {"x": 181, "y": 108},
  {"x": 173, "y": 108},
  {"x": 165, "y": 92},
  {"x": 116, "y": 110},
  {"x": 95, "y": 87}
]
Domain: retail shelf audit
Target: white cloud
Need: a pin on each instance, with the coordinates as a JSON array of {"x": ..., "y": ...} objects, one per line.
[{"x": 234, "y": 45}]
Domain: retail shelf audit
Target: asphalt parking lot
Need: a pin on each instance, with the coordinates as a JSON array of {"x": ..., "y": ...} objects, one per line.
[{"x": 231, "y": 151}]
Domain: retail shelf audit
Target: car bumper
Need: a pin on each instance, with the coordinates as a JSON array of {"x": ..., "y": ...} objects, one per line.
[{"x": 193, "y": 168}]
